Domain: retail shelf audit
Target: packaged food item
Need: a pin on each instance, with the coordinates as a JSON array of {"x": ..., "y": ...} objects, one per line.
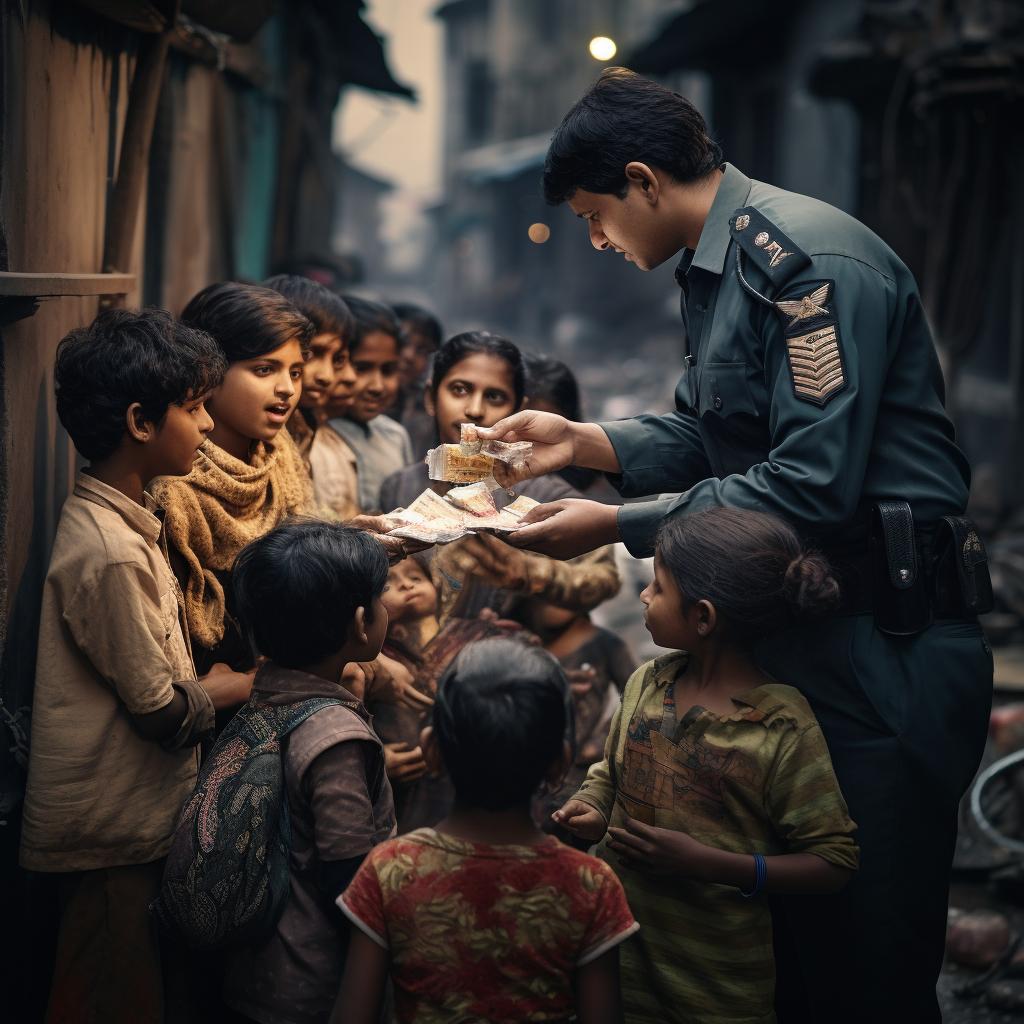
[
  {"x": 434, "y": 519},
  {"x": 477, "y": 499},
  {"x": 446, "y": 462},
  {"x": 429, "y": 533},
  {"x": 521, "y": 506},
  {"x": 469, "y": 441}
]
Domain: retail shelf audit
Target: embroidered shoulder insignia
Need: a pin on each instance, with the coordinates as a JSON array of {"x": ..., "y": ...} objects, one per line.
[
  {"x": 767, "y": 246},
  {"x": 813, "y": 344}
]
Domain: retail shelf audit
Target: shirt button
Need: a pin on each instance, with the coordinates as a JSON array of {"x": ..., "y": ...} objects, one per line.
[
  {"x": 718, "y": 403},
  {"x": 701, "y": 309}
]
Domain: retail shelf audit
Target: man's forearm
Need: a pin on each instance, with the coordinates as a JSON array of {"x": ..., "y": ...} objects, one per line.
[{"x": 593, "y": 450}]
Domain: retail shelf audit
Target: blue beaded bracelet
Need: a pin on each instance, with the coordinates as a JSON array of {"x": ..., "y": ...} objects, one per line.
[{"x": 760, "y": 874}]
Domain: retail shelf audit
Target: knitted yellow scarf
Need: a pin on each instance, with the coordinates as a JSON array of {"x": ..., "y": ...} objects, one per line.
[{"x": 222, "y": 505}]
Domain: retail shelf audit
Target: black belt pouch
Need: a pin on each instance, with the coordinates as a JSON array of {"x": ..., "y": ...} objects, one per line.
[
  {"x": 902, "y": 607},
  {"x": 963, "y": 587}
]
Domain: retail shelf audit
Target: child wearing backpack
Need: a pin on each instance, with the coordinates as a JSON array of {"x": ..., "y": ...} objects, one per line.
[
  {"x": 486, "y": 918},
  {"x": 716, "y": 787},
  {"x": 117, "y": 709},
  {"x": 308, "y": 595}
]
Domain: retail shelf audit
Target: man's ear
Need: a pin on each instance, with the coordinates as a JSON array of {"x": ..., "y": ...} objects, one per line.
[
  {"x": 357, "y": 627},
  {"x": 138, "y": 426},
  {"x": 428, "y": 400},
  {"x": 431, "y": 751},
  {"x": 644, "y": 179}
]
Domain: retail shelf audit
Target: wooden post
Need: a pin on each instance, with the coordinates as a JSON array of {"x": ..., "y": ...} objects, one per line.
[{"x": 140, "y": 118}]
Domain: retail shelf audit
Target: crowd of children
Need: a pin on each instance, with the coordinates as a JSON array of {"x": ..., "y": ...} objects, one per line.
[{"x": 463, "y": 733}]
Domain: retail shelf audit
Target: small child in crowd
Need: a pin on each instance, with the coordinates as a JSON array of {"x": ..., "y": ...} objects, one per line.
[
  {"x": 309, "y": 597},
  {"x": 716, "y": 781},
  {"x": 118, "y": 710},
  {"x": 381, "y": 445},
  {"x": 422, "y": 338},
  {"x": 486, "y": 918},
  {"x": 328, "y": 380},
  {"x": 249, "y": 476},
  {"x": 416, "y": 640}
]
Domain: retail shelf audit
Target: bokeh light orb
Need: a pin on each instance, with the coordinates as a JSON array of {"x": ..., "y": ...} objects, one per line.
[
  {"x": 539, "y": 233},
  {"x": 602, "y": 48},
  {"x": 463, "y": 247}
]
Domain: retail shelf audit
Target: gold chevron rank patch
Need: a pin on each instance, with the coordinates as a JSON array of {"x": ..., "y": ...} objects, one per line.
[{"x": 813, "y": 344}]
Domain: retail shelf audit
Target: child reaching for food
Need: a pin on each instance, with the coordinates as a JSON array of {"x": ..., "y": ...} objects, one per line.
[
  {"x": 485, "y": 917},
  {"x": 415, "y": 640},
  {"x": 716, "y": 781}
]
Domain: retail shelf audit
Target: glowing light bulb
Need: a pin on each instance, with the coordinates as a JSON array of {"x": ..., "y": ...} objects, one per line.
[
  {"x": 539, "y": 233},
  {"x": 602, "y": 48}
]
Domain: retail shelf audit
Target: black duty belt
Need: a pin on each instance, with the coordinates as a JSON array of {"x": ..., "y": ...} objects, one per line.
[{"x": 909, "y": 576}]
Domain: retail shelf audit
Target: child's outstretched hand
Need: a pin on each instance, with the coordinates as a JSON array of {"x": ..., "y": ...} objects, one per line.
[
  {"x": 581, "y": 820},
  {"x": 403, "y": 765},
  {"x": 659, "y": 851}
]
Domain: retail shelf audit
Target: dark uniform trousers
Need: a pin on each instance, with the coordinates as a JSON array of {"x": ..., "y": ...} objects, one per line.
[
  {"x": 905, "y": 723},
  {"x": 812, "y": 390}
]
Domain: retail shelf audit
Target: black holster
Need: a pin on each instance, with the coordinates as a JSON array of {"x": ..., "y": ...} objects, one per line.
[
  {"x": 963, "y": 587},
  {"x": 902, "y": 602}
]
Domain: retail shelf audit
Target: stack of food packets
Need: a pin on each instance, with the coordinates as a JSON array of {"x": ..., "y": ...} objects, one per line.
[
  {"x": 472, "y": 459},
  {"x": 434, "y": 519}
]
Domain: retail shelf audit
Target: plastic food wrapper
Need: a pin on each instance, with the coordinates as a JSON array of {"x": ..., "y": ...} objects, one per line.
[
  {"x": 446, "y": 462},
  {"x": 477, "y": 499},
  {"x": 451, "y": 463},
  {"x": 463, "y": 511}
]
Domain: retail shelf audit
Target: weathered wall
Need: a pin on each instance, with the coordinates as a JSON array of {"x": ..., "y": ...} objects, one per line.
[{"x": 63, "y": 97}]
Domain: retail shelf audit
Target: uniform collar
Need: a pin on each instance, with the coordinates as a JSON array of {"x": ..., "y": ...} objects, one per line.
[
  {"x": 732, "y": 193},
  {"x": 144, "y": 520}
]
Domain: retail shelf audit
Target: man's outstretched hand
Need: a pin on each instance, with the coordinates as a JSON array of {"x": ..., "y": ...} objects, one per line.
[
  {"x": 553, "y": 444},
  {"x": 567, "y": 528}
]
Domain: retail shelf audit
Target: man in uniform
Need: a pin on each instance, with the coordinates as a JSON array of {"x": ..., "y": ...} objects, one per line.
[{"x": 812, "y": 390}]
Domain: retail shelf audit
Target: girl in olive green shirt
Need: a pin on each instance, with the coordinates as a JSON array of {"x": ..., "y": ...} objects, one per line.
[{"x": 716, "y": 786}]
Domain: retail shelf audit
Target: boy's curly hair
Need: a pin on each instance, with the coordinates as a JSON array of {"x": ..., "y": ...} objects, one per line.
[{"x": 126, "y": 356}]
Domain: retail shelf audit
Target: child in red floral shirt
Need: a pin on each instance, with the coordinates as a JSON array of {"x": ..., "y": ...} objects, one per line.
[{"x": 486, "y": 917}]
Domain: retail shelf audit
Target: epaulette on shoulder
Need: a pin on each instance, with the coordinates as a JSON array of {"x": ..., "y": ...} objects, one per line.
[{"x": 767, "y": 246}]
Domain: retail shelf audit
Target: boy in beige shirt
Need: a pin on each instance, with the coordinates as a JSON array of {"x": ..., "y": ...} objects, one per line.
[{"x": 117, "y": 711}]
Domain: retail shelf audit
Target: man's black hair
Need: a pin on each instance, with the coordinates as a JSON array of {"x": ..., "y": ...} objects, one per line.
[
  {"x": 247, "y": 320},
  {"x": 372, "y": 316},
  {"x": 623, "y": 117},
  {"x": 421, "y": 320},
  {"x": 502, "y": 715},
  {"x": 326, "y": 311},
  {"x": 126, "y": 356},
  {"x": 454, "y": 350},
  {"x": 297, "y": 588}
]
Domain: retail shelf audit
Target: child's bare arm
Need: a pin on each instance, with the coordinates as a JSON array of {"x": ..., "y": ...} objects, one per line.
[
  {"x": 598, "y": 995},
  {"x": 362, "y": 986},
  {"x": 662, "y": 851}
]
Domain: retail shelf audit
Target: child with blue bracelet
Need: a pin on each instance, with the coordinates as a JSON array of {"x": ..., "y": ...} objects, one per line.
[{"x": 716, "y": 786}]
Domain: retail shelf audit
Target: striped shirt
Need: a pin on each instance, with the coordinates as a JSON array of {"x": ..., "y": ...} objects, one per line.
[{"x": 759, "y": 780}]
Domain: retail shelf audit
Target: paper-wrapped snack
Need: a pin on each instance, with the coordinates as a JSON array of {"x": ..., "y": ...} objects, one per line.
[
  {"x": 461, "y": 512},
  {"x": 477, "y": 499},
  {"x": 451, "y": 463},
  {"x": 446, "y": 462}
]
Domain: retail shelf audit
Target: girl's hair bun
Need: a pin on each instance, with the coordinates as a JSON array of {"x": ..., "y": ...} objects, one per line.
[{"x": 810, "y": 587}]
